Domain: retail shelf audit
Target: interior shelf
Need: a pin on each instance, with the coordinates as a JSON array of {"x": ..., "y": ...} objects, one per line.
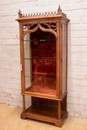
[
  {"x": 41, "y": 58},
  {"x": 40, "y": 40},
  {"x": 43, "y": 90},
  {"x": 40, "y": 73}
]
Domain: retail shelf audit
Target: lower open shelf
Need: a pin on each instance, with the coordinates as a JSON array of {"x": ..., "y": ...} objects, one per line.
[{"x": 46, "y": 114}]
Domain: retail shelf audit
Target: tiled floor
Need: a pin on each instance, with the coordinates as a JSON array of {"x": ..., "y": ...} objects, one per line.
[{"x": 10, "y": 120}]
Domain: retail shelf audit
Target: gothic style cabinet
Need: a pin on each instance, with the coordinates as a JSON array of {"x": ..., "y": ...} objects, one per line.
[{"x": 43, "y": 57}]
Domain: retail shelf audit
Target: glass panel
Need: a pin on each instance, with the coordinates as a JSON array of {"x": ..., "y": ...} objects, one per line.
[
  {"x": 27, "y": 57},
  {"x": 40, "y": 62},
  {"x": 27, "y": 50},
  {"x": 63, "y": 58}
]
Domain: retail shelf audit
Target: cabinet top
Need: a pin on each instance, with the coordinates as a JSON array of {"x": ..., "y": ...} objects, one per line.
[{"x": 41, "y": 16}]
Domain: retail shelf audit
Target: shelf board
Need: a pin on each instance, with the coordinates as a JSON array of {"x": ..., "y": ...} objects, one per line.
[
  {"x": 41, "y": 90},
  {"x": 43, "y": 111},
  {"x": 41, "y": 58},
  {"x": 44, "y": 114},
  {"x": 39, "y": 40},
  {"x": 40, "y": 73}
]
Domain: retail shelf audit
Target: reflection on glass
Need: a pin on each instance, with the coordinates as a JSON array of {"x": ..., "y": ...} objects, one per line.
[
  {"x": 63, "y": 58},
  {"x": 27, "y": 46},
  {"x": 27, "y": 56},
  {"x": 40, "y": 62}
]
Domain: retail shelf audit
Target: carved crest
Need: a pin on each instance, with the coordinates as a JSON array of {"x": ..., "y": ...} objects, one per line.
[{"x": 51, "y": 13}]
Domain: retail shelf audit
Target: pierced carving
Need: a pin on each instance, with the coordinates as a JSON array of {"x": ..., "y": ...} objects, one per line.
[
  {"x": 49, "y": 26},
  {"x": 29, "y": 27},
  {"x": 46, "y": 27}
]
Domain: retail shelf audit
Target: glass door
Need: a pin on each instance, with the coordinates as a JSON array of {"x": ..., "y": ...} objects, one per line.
[
  {"x": 40, "y": 62},
  {"x": 64, "y": 58}
]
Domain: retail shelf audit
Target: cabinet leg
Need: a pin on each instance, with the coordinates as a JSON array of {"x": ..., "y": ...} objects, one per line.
[
  {"x": 23, "y": 115},
  {"x": 24, "y": 103},
  {"x": 59, "y": 110}
]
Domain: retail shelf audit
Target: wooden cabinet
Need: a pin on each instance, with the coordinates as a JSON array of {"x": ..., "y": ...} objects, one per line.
[{"x": 43, "y": 57}]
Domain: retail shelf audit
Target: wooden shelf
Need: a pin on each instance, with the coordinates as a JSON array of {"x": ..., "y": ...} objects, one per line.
[
  {"x": 42, "y": 90},
  {"x": 40, "y": 73},
  {"x": 41, "y": 58},
  {"x": 48, "y": 114}
]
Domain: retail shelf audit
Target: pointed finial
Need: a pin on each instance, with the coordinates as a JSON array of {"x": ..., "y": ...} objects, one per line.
[
  {"x": 59, "y": 10},
  {"x": 20, "y": 13}
]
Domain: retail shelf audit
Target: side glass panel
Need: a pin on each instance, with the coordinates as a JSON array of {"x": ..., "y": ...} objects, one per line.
[
  {"x": 63, "y": 58},
  {"x": 40, "y": 62},
  {"x": 27, "y": 60}
]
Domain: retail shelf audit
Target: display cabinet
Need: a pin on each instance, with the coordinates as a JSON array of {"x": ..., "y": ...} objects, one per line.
[{"x": 43, "y": 58}]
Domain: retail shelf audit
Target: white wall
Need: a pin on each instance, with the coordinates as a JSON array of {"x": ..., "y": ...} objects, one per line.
[{"x": 76, "y": 11}]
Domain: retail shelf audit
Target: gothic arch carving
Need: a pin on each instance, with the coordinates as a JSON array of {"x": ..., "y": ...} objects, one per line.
[{"x": 45, "y": 27}]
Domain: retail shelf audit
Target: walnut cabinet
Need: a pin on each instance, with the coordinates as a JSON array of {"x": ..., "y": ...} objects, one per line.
[{"x": 43, "y": 58}]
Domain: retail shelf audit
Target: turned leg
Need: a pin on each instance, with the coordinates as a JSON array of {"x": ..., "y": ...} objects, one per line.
[
  {"x": 24, "y": 103},
  {"x": 59, "y": 110}
]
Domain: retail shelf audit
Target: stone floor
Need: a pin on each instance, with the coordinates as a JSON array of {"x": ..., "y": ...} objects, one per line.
[{"x": 10, "y": 120}]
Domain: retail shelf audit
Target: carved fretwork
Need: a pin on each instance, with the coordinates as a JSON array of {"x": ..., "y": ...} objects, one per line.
[
  {"x": 29, "y": 27},
  {"x": 49, "y": 26},
  {"x": 46, "y": 27}
]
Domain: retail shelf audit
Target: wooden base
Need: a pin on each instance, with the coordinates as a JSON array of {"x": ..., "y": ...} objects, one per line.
[{"x": 44, "y": 114}]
